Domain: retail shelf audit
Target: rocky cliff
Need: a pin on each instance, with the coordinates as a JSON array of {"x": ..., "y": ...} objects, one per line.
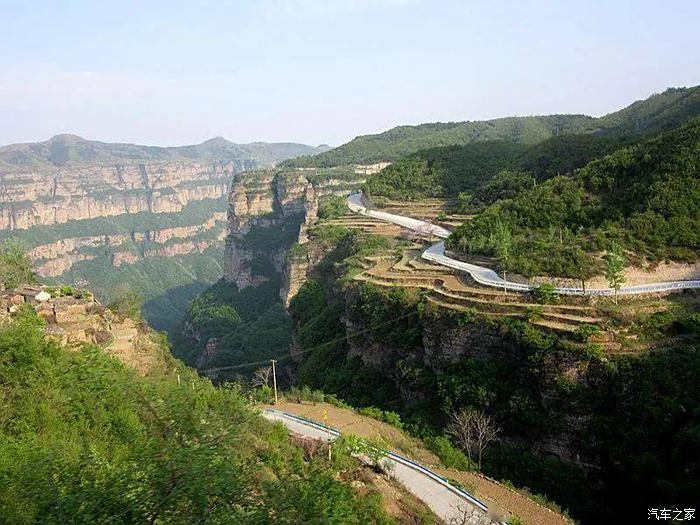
[
  {"x": 48, "y": 197},
  {"x": 88, "y": 211},
  {"x": 269, "y": 212}
]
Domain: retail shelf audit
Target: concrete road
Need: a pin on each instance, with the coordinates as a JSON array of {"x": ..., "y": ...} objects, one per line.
[
  {"x": 449, "y": 503},
  {"x": 486, "y": 276}
]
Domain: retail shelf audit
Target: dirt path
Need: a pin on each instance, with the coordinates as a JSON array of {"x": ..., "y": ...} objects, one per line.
[{"x": 345, "y": 420}]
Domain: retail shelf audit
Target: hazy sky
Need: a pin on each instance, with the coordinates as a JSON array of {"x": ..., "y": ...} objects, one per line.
[{"x": 315, "y": 71}]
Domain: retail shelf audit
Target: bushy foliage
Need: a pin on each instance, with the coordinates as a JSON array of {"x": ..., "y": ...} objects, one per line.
[
  {"x": 443, "y": 172},
  {"x": 646, "y": 197},
  {"x": 85, "y": 440},
  {"x": 127, "y": 303},
  {"x": 332, "y": 207},
  {"x": 545, "y": 294},
  {"x": 450, "y": 455},
  {"x": 15, "y": 265},
  {"x": 248, "y": 325}
]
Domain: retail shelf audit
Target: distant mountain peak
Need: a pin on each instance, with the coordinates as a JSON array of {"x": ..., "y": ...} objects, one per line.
[
  {"x": 67, "y": 138},
  {"x": 217, "y": 141}
]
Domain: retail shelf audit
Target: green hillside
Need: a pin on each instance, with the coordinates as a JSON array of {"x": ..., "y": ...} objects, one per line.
[
  {"x": 658, "y": 112},
  {"x": 404, "y": 140},
  {"x": 83, "y": 439},
  {"x": 646, "y": 197},
  {"x": 248, "y": 325},
  {"x": 445, "y": 171}
]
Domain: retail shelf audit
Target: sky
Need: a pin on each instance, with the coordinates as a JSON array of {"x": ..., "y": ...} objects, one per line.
[{"x": 170, "y": 73}]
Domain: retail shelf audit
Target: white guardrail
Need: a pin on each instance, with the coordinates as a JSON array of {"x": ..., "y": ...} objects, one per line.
[
  {"x": 488, "y": 277},
  {"x": 399, "y": 459}
]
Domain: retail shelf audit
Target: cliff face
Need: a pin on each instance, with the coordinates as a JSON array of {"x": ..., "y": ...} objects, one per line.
[
  {"x": 445, "y": 344},
  {"x": 126, "y": 216},
  {"x": 269, "y": 211},
  {"x": 57, "y": 257},
  {"x": 54, "y": 203},
  {"x": 51, "y": 197}
]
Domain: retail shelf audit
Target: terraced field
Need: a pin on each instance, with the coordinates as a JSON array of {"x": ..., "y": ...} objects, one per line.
[
  {"x": 450, "y": 289},
  {"x": 447, "y": 289}
]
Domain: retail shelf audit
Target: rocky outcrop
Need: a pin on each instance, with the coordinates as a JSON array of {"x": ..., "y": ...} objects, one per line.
[
  {"x": 68, "y": 245},
  {"x": 60, "y": 265},
  {"x": 284, "y": 204},
  {"x": 182, "y": 248},
  {"x": 121, "y": 258},
  {"x": 76, "y": 318},
  {"x": 55, "y": 258}
]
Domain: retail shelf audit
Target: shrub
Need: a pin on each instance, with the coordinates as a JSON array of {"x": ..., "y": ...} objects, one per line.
[
  {"x": 305, "y": 393},
  {"x": 534, "y": 313},
  {"x": 373, "y": 412},
  {"x": 127, "y": 304},
  {"x": 546, "y": 294},
  {"x": 393, "y": 419},
  {"x": 15, "y": 264},
  {"x": 585, "y": 332},
  {"x": 262, "y": 394},
  {"x": 332, "y": 399},
  {"x": 692, "y": 323},
  {"x": 450, "y": 456},
  {"x": 332, "y": 207}
]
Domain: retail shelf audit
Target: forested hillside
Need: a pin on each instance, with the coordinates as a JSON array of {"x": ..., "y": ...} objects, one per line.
[
  {"x": 239, "y": 326},
  {"x": 658, "y": 112},
  {"x": 645, "y": 197},
  {"x": 448, "y": 171},
  {"x": 596, "y": 431},
  {"x": 83, "y": 439},
  {"x": 444, "y": 171}
]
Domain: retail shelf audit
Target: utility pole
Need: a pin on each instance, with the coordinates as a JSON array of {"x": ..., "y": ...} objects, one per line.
[
  {"x": 325, "y": 421},
  {"x": 274, "y": 378}
]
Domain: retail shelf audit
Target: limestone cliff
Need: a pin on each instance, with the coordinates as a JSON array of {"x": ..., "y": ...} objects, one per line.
[
  {"x": 48, "y": 197},
  {"x": 271, "y": 210},
  {"x": 124, "y": 215}
]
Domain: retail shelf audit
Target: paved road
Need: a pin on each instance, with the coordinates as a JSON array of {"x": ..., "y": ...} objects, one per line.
[
  {"x": 449, "y": 503},
  {"x": 486, "y": 276}
]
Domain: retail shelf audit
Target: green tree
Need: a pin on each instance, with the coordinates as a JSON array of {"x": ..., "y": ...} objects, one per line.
[
  {"x": 546, "y": 293},
  {"x": 15, "y": 264},
  {"x": 503, "y": 243},
  {"x": 615, "y": 268}
]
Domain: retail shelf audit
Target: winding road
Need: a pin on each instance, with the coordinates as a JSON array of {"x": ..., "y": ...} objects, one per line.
[
  {"x": 486, "y": 276},
  {"x": 450, "y": 503}
]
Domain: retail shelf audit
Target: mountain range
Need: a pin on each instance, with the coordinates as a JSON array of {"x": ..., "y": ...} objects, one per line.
[{"x": 72, "y": 150}]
